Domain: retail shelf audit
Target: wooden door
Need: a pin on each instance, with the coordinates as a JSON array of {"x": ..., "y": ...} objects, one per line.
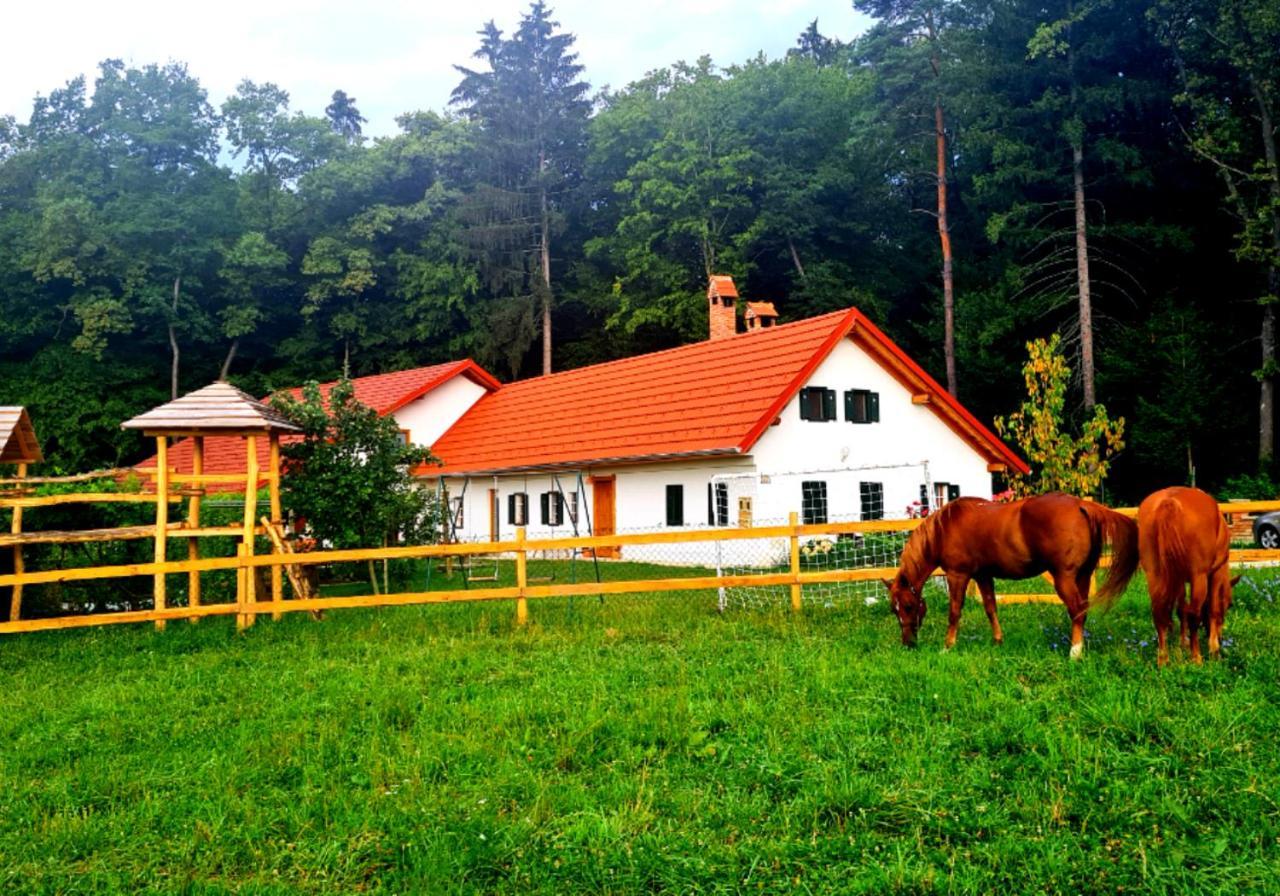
[
  {"x": 493, "y": 514},
  {"x": 603, "y": 512}
]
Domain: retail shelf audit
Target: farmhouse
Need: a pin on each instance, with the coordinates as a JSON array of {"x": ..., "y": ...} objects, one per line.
[{"x": 825, "y": 417}]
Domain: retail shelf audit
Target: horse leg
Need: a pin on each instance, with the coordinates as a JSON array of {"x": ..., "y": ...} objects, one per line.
[
  {"x": 1066, "y": 585},
  {"x": 1194, "y": 613},
  {"x": 957, "y": 583},
  {"x": 988, "y": 588},
  {"x": 1163, "y": 599},
  {"x": 1219, "y": 584}
]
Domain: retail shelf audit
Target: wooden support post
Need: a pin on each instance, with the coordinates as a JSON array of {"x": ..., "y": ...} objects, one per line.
[
  {"x": 273, "y": 484},
  {"x": 15, "y": 602},
  {"x": 193, "y": 522},
  {"x": 793, "y": 520},
  {"x": 162, "y": 523},
  {"x": 249, "y": 584},
  {"x": 522, "y": 578}
]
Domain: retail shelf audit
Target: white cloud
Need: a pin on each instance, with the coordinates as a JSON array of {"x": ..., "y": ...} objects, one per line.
[{"x": 393, "y": 56}]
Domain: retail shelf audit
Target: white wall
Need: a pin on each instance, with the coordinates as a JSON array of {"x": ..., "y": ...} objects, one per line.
[
  {"x": 906, "y": 434},
  {"x": 430, "y": 416}
]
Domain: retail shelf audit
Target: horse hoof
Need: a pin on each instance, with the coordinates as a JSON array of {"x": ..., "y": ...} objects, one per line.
[{"x": 1077, "y": 651}]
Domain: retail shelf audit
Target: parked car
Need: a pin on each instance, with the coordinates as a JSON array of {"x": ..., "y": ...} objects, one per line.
[{"x": 1266, "y": 530}]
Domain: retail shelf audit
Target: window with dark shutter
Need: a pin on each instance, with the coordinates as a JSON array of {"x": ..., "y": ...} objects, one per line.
[
  {"x": 861, "y": 406},
  {"x": 813, "y": 502},
  {"x": 953, "y": 492},
  {"x": 924, "y": 497},
  {"x": 871, "y": 500},
  {"x": 675, "y": 505},
  {"x": 552, "y": 508},
  {"x": 518, "y": 509},
  {"x": 817, "y": 403}
]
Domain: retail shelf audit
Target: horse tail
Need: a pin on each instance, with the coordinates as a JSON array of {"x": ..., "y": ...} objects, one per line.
[{"x": 1122, "y": 534}]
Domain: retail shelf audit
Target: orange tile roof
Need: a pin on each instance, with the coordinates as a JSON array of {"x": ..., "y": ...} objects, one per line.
[
  {"x": 385, "y": 393},
  {"x": 709, "y": 398}
]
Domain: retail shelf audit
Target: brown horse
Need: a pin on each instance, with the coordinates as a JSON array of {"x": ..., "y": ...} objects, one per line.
[
  {"x": 973, "y": 539},
  {"x": 1183, "y": 541}
]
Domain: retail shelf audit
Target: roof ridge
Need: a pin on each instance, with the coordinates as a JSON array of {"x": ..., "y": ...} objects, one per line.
[{"x": 689, "y": 346}]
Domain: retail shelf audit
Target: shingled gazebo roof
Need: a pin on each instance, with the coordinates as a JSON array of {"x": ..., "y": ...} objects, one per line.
[
  {"x": 217, "y": 408},
  {"x": 18, "y": 443}
]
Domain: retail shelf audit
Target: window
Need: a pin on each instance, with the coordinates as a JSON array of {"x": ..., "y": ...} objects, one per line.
[
  {"x": 861, "y": 406},
  {"x": 817, "y": 403},
  {"x": 718, "y": 504},
  {"x": 404, "y": 437},
  {"x": 573, "y": 507},
  {"x": 675, "y": 505},
  {"x": 924, "y": 498},
  {"x": 552, "y": 509},
  {"x": 455, "y": 505},
  {"x": 944, "y": 493},
  {"x": 744, "y": 512},
  {"x": 813, "y": 497},
  {"x": 518, "y": 509},
  {"x": 871, "y": 500}
]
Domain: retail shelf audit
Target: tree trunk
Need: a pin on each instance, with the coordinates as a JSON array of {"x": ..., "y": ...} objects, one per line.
[
  {"x": 545, "y": 258},
  {"x": 795, "y": 258},
  {"x": 373, "y": 576},
  {"x": 1082, "y": 276},
  {"x": 226, "y": 362},
  {"x": 1266, "y": 403},
  {"x": 944, "y": 236},
  {"x": 173, "y": 343}
]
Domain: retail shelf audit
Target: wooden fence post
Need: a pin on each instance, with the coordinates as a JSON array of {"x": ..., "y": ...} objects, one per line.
[
  {"x": 273, "y": 486},
  {"x": 15, "y": 602},
  {"x": 193, "y": 521},
  {"x": 522, "y": 578},
  {"x": 162, "y": 523},
  {"x": 249, "y": 583},
  {"x": 793, "y": 520}
]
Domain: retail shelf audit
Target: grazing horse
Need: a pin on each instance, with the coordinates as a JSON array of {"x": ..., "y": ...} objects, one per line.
[
  {"x": 1183, "y": 541},
  {"x": 973, "y": 539}
]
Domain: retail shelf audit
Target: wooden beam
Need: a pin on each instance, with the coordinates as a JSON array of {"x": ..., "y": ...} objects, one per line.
[
  {"x": 921, "y": 398},
  {"x": 162, "y": 523},
  {"x": 193, "y": 521},
  {"x": 248, "y": 582},
  {"x": 997, "y": 468},
  {"x": 19, "y": 567},
  {"x": 84, "y": 498},
  {"x": 273, "y": 485}
]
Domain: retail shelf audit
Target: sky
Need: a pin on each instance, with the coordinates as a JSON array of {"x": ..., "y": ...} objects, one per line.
[{"x": 392, "y": 56}]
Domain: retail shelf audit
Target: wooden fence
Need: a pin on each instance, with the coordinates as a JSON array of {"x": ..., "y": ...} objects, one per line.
[{"x": 247, "y": 606}]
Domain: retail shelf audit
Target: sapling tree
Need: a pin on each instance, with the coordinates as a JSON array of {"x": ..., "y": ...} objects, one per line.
[
  {"x": 1059, "y": 461},
  {"x": 350, "y": 476}
]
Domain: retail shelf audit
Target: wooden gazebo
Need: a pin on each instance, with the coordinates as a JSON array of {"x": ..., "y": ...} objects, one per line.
[
  {"x": 18, "y": 446},
  {"x": 219, "y": 409}
]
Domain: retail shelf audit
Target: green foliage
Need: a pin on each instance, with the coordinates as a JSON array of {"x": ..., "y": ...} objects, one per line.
[
  {"x": 1059, "y": 462},
  {"x": 350, "y": 476},
  {"x": 1261, "y": 486}
]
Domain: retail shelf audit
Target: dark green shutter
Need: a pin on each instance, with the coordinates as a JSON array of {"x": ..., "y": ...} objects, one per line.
[
  {"x": 848, "y": 405},
  {"x": 804, "y": 406},
  {"x": 924, "y": 496},
  {"x": 828, "y": 404},
  {"x": 675, "y": 505},
  {"x": 545, "y": 502},
  {"x": 873, "y": 407},
  {"x": 511, "y": 509},
  {"x": 953, "y": 492}
]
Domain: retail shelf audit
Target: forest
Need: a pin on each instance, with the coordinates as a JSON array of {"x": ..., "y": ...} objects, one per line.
[{"x": 973, "y": 174}]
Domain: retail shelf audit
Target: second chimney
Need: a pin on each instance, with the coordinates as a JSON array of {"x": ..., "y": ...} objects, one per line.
[{"x": 722, "y": 307}]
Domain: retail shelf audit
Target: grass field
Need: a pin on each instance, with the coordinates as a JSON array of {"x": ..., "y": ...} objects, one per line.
[{"x": 645, "y": 744}]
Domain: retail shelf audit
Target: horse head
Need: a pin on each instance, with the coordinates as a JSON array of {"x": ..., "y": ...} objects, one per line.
[{"x": 908, "y": 603}]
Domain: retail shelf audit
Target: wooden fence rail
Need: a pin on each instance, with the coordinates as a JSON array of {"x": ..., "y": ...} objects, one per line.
[{"x": 247, "y": 605}]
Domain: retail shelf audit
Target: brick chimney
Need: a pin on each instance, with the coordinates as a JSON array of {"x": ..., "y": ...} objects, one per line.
[
  {"x": 760, "y": 316},
  {"x": 722, "y": 306}
]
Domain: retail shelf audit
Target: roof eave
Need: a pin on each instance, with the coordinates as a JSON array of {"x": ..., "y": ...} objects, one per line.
[{"x": 582, "y": 463}]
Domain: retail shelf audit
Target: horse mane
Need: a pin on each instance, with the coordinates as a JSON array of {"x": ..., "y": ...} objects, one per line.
[{"x": 921, "y": 549}]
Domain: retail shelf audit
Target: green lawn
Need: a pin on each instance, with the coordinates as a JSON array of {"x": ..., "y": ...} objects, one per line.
[{"x": 643, "y": 744}]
